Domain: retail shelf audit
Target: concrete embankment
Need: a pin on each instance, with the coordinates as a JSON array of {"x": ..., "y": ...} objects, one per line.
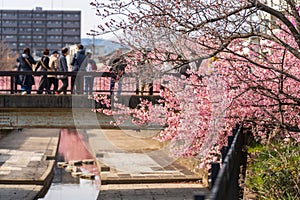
[{"x": 27, "y": 158}]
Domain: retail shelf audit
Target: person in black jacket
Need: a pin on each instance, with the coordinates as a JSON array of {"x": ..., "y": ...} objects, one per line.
[
  {"x": 79, "y": 63},
  {"x": 26, "y": 63},
  {"x": 44, "y": 65}
]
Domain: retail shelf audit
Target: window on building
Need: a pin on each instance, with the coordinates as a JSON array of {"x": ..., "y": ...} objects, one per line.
[
  {"x": 22, "y": 44},
  {"x": 6, "y": 29},
  {"x": 9, "y": 36},
  {"x": 54, "y": 15},
  {"x": 8, "y": 14},
  {"x": 39, "y": 15},
  {"x": 25, "y": 15},
  {"x": 39, "y": 29},
  {"x": 26, "y": 30},
  {"x": 56, "y": 30},
  {"x": 74, "y": 23},
  {"x": 38, "y": 37},
  {"x": 38, "y": 22},
  {"x": 57, "y": 23},
  {"x": 25, "y": 37},
  {"x": 56, "y": 37},
  {"x": 7, "y": 22},
  {"x": 54, "y": 45},
  {"x": 41, "y": 45},
  {"x": 70, "y": 30},
  {"x": 25, "y": 22}
]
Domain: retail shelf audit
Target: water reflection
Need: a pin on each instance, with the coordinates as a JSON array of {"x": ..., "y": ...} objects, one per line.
[{"x": 73, "y": 147}]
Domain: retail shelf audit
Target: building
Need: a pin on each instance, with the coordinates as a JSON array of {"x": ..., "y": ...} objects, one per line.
[{"x": 39, "y": 29}]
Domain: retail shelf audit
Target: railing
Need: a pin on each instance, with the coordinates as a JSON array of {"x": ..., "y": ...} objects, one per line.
[
  {"x": 130, "y": 84},
  {"x": 225, "y": 181}
]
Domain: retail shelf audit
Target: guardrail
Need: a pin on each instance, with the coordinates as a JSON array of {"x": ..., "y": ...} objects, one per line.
[
  {"x": 225, "y": 181},
  {"x": 130, "y": 83}
]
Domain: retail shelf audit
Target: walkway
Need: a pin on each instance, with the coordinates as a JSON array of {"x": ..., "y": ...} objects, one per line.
[
  {"x": 135, "y": 166},
  {"x": 26, "y": 162}
]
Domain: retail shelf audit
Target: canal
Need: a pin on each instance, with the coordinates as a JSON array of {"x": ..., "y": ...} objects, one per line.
[{"x": 75, "y": 173}]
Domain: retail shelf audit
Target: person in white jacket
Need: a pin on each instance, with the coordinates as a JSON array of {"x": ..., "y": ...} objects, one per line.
[{"x": 53, "y": 65}]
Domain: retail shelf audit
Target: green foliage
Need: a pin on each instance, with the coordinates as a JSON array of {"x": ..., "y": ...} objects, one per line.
[{"x": 274, "y": 171}]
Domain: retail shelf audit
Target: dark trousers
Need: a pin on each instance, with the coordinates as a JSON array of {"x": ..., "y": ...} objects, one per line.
[
  {"x": 52, "y": 81},
  {"x": 64, "y": 87},
  {"x": 88, "y": 84},
  {"x": 77, "y": 84},
  {"x": 44, "y": 84},
  {"x": 112, "y": 85}
]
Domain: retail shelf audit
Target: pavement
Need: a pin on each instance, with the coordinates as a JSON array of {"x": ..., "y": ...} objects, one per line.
[
  {"x": 131, "y": 165},
  {"x": 161, "y": 191},
  {"x": 26, "y": 163}
]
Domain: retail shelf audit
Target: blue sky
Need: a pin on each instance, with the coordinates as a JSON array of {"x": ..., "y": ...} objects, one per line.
[{"x": 89, "y": 20}]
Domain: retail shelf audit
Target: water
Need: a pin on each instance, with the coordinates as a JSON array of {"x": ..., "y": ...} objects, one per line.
[{"x": 73, "y": 147}]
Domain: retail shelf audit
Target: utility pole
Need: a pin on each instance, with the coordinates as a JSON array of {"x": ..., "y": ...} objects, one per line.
[{"x": 93, "y": 45}]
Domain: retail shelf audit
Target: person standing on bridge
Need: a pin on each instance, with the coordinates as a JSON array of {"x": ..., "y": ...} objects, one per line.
[
  {"x": 117, "y": 69},
  {"x": 63, "y": 67},
  {"x": 44, "y": 64},
  {"x": 26, "y": 63},
  {"x": 78, "y": 63},
  {"x": 89, "y": 79},
  {"x": 53, "y": 64}
]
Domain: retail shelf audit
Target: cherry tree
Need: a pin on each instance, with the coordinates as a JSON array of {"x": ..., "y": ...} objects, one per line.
[
  {"x": 263, "y": 90},
  {"x": 7, "y": 57},
  {"x": 255, "y": 78}
]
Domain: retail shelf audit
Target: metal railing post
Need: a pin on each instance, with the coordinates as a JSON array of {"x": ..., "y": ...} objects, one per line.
[
  {"x": 225, "y": 185},
  {"x": 230, "y": 140},
  {"x": 12, "y": 84},
  {"x": 224, "y": 151},
  {"x": 215, "y": 168}
]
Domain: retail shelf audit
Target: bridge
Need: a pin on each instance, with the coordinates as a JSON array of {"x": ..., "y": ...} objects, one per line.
[{"x": 63, "y": 111}]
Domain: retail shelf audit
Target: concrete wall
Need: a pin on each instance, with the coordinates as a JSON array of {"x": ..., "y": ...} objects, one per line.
[
  {"x": 64, "y": 101},
  {"x": 63, "y": 111}
]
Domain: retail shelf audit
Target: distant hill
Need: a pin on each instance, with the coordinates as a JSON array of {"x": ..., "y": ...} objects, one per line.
[{"x": 109, "y": 46}]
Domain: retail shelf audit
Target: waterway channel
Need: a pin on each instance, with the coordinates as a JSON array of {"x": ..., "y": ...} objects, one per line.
[{"x": 65, "y": 184}]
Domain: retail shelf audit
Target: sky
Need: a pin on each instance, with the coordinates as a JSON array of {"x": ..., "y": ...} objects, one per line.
[{"x": 89, "y": 20}]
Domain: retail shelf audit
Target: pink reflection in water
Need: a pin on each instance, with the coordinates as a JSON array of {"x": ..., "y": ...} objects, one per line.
[{"x": 73, "y": 147}]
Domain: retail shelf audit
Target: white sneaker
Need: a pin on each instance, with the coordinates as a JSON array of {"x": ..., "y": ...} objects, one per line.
[{"x": 23, "y": 93}]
